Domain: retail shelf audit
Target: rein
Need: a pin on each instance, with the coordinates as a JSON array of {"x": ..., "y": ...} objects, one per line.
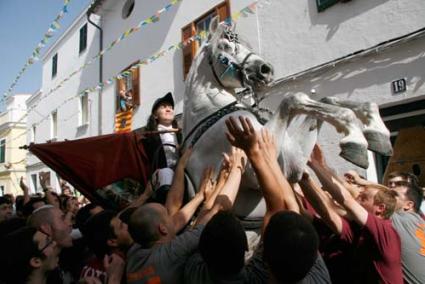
[{"x": 208, "y": 121}]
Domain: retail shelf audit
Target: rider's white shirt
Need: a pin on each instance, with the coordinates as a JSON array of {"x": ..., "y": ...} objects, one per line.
[{"x": 170, "y": 151}]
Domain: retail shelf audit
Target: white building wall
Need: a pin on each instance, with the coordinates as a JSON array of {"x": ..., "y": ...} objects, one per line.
[
  {"x": 63, "y": 100},
  {"x": 295, "y": 37}
]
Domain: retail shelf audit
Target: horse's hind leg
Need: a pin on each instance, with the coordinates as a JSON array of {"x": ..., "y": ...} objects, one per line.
[
  {"x": 353, "y": 144},
  {"x": 375, "y": 131}
]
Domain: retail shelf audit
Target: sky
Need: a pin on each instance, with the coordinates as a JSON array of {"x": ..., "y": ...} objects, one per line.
[{"x": 23, "y": 24}]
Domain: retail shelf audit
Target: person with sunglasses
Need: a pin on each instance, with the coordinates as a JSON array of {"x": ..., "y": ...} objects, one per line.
[{"x": 28, "y": 256}]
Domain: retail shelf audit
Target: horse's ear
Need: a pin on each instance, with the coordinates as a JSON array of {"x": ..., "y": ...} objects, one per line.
[
  {"x": 213, "y": 26},
  {"x": 233, "y": 27}
]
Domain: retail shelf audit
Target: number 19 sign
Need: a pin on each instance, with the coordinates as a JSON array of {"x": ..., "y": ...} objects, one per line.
[{"x": 399, "y": 86}]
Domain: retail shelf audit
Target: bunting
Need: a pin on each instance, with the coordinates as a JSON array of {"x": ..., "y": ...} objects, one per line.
[
  {"x": 152, "y": 19},
  {"x": 123, "y": 120},
  {"x": 35, "y": 55}
]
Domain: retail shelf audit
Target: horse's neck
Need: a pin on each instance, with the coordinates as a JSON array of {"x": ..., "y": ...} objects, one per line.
[{"x": 203, "y": 94}]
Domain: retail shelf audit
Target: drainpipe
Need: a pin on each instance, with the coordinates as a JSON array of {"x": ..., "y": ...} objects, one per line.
[{"x": 99, "y": 126}]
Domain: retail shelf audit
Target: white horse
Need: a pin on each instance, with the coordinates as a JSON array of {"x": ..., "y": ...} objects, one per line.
[{"x": 222, "y": 65}]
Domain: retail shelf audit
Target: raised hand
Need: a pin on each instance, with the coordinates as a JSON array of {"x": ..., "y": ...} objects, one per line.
[
  {"x": 22, "y": 185},
  {"x": 245, "y": 138},
  {"x": 237, "y": 159},
  {"x": 114, "y": 267},
  {"x": 207, "y": 184},
  {"x": 44, "y": 178},
  {"x": 268, "y": 145},
  {"x": 317, "y": 157},
  {"x": 184, "y": 158}
]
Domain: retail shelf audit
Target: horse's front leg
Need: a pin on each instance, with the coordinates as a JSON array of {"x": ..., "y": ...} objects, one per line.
[
  {"x": 353, "y": 144},
  {"x": 375, "y": 131}
]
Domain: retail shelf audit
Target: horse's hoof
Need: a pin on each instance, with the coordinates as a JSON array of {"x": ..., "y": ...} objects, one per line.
[
  {"x": 378, "y": 142},
  {"x": 355, "y": 153}
]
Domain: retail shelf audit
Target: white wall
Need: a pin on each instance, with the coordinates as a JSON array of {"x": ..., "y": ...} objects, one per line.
[
  {"x": 43, "y": 103},
  {"x": 69, "y": 60},
  {"x": 295, "y": 37}
]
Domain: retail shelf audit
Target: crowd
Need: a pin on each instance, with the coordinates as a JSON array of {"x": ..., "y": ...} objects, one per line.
[{"x": 325, "y": 229}]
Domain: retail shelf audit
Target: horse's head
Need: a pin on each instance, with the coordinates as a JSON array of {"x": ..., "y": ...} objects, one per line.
[{"x": 234, "y": 64}]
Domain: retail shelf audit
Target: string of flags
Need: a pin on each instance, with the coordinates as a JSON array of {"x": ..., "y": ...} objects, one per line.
[
  {"x": 245, "y": 12},
  {"x": 35, "y": 56},
  {"x": 152, "y": 19}
]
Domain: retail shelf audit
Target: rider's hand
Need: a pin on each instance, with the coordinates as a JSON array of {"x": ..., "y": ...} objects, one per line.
[{"x": 245, "y": 138}]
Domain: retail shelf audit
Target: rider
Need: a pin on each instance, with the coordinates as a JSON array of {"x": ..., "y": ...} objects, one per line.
[{"x": 162, "y": 139}]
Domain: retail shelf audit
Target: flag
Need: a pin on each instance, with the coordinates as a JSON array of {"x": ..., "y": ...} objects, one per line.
[
  {"x": 93, "y": 163},
  {"x": 123, "y": 121}
]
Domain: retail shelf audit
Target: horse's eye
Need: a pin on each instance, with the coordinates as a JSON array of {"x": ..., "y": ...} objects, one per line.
[{"x": 225, "y": 46}]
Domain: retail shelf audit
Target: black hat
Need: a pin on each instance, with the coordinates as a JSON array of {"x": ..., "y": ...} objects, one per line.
[{"x": 168, "y": 98}]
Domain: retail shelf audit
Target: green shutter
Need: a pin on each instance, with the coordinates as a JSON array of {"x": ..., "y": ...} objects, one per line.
[
  {"x": 324, "y": 4},
  {"x": 2, "y": 151}
]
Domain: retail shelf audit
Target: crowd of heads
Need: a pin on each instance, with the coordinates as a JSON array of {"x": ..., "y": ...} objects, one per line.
[{"x": 42, "y": 235}]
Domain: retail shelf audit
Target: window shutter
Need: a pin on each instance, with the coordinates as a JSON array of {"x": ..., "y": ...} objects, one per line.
[
  {"x": 189, "y": 50},
  {"x": 135, "y": 86},
  {"x": 2, "y": 151},
  {"x": 223, "y": 11},
  {"x": 83, "y": 38},
  {"x": 324, "y": 4}
]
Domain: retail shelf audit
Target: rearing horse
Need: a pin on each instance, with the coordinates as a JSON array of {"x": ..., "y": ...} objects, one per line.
[{"x": 222, "y": 65}]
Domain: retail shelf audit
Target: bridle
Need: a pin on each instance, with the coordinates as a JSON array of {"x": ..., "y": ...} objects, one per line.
[{"x": 231, "y": 66}]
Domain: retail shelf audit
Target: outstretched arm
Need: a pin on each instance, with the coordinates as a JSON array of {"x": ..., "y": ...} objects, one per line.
[
  {"x": 44, "y": 182},
  {"x": 25, "y": 190},
  {"x": 332, "y": 185},
  {"x": 269, "y": 151},
  {"x": 317, "y": 199},
  {"x": 182, "y": 217},
  {"x": 175, "y": 195},
  {"x": 247, "y": 139},
  {"x": 229, "y": 191}
]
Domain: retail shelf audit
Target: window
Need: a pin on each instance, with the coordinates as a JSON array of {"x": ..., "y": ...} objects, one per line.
[
  {"x": 54, "y": 65},
  {"x": 324, "y": 4},
  {"x": 128, "y": 90},
  {"x": 199, "y": 25},
  {"x": 2, "y": 150},
  {"x": 127, "y": 9},
  {"x": 83, "y": 38},
  {"x": 1, "y": 190},
  {"x": 83, "y": 118},
  {"x": 54, "y": 125},
  {"x": 33, "y": 133},
  {"x": 34, "y": 182}
]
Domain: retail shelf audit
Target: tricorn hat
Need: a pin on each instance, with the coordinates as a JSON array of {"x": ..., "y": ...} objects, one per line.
[{"x": 168, "y": 98}]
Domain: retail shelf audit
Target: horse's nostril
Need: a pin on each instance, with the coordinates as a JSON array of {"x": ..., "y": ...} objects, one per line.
[{"x": 265, "y": 69}]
